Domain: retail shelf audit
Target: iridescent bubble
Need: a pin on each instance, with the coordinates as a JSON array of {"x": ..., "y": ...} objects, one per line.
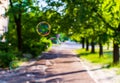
[{"x": 43, "y": 28}]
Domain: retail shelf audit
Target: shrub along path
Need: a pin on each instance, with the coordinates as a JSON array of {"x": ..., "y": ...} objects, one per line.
[{"x": 59, "y": 65}]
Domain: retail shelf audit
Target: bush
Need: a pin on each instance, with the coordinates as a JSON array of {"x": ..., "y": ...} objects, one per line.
[
  {"x": 46, "y": 42},
  {"x": 36, "y": 47},
  {"x": 4, "y": 46},
  {"x": 14, "y": 64},
  {"x": 6, "y": 58},
  {"x": 39, "y": 47}
]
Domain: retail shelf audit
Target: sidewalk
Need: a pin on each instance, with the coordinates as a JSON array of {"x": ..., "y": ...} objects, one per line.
[
  {"x": 55, "y": 66},
  {"x": 66, "y": 68}
]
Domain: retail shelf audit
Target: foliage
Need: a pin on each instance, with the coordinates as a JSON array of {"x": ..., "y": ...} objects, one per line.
[
  {"x": 14, "y": 64},
  {"x": 6, "y": 58},
  {"x": 28, "y": 15},
  {"x": 36, "y": 47},
  {"x": 63, "y": 37},
  {"x": 46, "y": 41},
  {"x": 17, "y": 10},
  {"x": 4, "y": 46}
]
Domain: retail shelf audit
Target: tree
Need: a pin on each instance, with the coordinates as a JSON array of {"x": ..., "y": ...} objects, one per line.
[
  {"x": 111, "y": 9},
  {"x": 17, "y": 18},
  {"x": 19, "y": 9},
  {"x": 106, "y": 11}
]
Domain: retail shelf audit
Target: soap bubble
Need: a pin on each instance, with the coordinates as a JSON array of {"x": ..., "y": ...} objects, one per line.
[{"x": 43, "y": 28}]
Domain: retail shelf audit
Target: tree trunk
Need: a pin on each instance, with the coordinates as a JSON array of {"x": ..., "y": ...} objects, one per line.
[
  {"x": 17, "y": 19},
  {"x": 18, "y": 24},
  {"x": 108, "y": 45},
  {"x": 100, "y": 50},
  {"x": 83, "y": 42},
  {"x": 116, "y": 47},
  {"x": 87, "y": 45},
  {"x": 92, "y": 47},
  {"x": 115, "y": 53}
]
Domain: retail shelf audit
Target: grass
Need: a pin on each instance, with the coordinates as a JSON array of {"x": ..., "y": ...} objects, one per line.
[
  {"x": 105, "y": 61},
  {"x": 94, "y": 57}
]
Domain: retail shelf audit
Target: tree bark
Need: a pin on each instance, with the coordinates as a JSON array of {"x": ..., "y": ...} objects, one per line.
[
  {"x": 92, "y": 47},
  {"x": 18, "y": 24},
  {"x": 100, "y": 50},
  {"x": 87, "y": 45},
  {"x": 116, "y": 46},
  {"x": 83, "y": 42},
  {"x": 115, "y": 53},
  {"x": 17, "y": 19}
]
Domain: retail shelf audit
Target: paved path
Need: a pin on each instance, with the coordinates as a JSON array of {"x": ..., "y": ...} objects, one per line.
[
  {"x": 59, "y": 65},
  {"x": 66, "y": 68}
]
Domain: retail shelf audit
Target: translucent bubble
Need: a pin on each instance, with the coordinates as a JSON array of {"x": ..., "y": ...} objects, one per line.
[{"x": 43, "y": 28}]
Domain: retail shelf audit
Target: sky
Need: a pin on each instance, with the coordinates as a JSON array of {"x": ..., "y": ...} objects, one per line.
[{"x": 42, "y": 3}]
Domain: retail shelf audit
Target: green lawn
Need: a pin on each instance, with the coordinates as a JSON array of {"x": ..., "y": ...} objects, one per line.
[{"x": 94, "y": 57}]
